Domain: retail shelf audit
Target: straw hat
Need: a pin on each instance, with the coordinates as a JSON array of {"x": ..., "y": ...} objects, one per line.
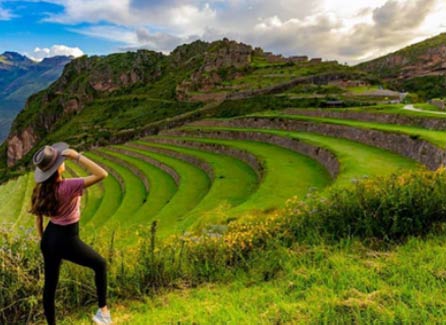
[{"x": 47, "y": 160}]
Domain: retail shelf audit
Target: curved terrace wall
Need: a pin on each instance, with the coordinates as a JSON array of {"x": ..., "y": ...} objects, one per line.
[
  {"x": 169, "y": 170},
  {"x": 405, "y": 145},
  {"x": 431, "y": 123},
  {"x": 240, "y": 154},
  {"x": 135, "y": 170},
  {"x": 322, "y": 155},
  {"x": 203, "y": 165},
  {"x": 112, "y": 172}
]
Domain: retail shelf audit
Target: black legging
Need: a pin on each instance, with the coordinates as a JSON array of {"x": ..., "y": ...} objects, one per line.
[{"x": 63, "y": 242}]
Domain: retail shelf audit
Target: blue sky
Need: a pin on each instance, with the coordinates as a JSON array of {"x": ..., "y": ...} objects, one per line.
[
  {"x": 346, "y": 30},
  {"x": 27, "y": 30}
]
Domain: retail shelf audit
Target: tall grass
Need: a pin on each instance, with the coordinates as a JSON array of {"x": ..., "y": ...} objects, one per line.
[{"x": 376, "y": 211}]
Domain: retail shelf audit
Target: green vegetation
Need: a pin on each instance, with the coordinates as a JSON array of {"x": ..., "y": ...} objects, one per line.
[
  {"x": 278, "y": 163},
  {"x": 356, "y": 160},
  {"x": 427, "y": 87},
  {"x": 427, "y": 107},
  {"x": 111, "y": 200},
  {"x": 357, "y": 264},
  {"x": 272, "y": 74},
  {"x": 234, "y": 181},
  {"x": 436, "y": 137},
  {"x": 194, "y": 185},
  {"x": 391, "y": 109},
  {"x": 134, "y": 194},
  {"x": 161, "y": 189},
  {"x": 201, "y": 229}
]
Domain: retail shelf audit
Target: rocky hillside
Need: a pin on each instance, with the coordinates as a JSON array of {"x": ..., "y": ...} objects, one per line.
[
  {"x": 420, "y": 67},
  {"x": 108, "y": 99},
  {"x": 19, "y": 78}
]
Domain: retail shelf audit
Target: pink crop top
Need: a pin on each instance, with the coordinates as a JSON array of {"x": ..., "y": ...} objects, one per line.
[{"x": 69, "y": 194}]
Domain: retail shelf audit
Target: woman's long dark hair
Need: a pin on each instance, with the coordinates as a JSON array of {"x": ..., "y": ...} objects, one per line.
[{"x": 44, "y": 201}]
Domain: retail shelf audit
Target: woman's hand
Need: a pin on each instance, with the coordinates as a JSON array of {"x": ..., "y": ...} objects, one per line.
[{"x": 70, "y": 153}]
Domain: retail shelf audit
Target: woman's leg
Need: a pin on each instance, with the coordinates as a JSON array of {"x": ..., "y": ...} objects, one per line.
[
  {"x": 51, "y": 267},
  {"x": 80, "y": 253}
]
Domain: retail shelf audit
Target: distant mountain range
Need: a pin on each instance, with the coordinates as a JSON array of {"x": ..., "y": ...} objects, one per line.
[{"x": 20, "y": 77}]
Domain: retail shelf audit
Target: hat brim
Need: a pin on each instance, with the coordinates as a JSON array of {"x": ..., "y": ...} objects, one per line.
[{"x": 40, "y": 175}]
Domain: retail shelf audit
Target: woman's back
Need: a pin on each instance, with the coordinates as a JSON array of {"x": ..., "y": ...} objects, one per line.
[{"x": 69, "y": 192}]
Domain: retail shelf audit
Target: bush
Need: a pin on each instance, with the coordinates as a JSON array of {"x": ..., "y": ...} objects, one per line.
[{"x": 391, "y": 208}]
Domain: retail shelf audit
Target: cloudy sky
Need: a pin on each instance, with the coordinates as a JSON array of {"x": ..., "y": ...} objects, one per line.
[{"x": 347, "y": 30}]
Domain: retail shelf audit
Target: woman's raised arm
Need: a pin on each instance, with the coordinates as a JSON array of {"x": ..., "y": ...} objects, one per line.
[{"x": 97, "y": 172}]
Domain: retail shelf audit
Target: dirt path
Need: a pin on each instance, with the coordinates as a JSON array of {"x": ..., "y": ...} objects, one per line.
[{"x": 411, "y": 108}]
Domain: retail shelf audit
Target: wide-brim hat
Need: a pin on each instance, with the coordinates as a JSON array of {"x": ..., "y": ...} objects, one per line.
[{"x": 47, "y": 160}]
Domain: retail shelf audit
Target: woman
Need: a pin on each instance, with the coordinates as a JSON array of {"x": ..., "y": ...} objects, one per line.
[{"x": 59, "y": 199}]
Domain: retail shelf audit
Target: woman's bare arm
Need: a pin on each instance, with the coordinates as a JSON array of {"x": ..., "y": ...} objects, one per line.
[
  {"x": 39, "y": 225},
  {"x": 97, "y": 172}
]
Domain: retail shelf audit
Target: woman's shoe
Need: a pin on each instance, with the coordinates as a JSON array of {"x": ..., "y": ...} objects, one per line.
[{"x": 102, "y": 318}]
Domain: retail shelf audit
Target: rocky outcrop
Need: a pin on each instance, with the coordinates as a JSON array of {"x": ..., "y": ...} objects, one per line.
[
  {"x": 83, "y": 80},
  {"x": 321, "y": 79},
  {"x": 71, "y": 106},
  {"x": 431, "y": 123},
  {"x": 405, "y": 145},
  {"x": 322, "y": 155},
  {"x": 427, "y": 58},
  {"x": 20, "y": 144},
  {"x": 223, "y": 61}
]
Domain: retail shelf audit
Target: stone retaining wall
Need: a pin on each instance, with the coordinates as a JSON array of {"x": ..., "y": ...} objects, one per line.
[
  {"x": 405, "y": 145},
  {"x": 400, "y": 119},
  {"x": 322, "y": 155},
  {"x": 441, "y": 104},
  {"x": 133, "y": 169},
  {"x": 203, "y": 165},
  {"x": 240, "y": 154},
  {"x": 169, "y": 170}
]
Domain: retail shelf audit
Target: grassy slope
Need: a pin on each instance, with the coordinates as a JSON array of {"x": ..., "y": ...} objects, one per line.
[
  {"x": 194, "y": 185},
  {"x": 279, "y": 164},
  {"x": 356, "y": 159},
  {"x": 112, "y": 197},
  {"x": 388, "y": 109},
  {"x": 435, "y": 137},
  {"x": 134, "y": 194},
  {"x": 234, "y": 182},
  {"x": 161, "y": 188},
  {"x": 12, "y": 197},
  {"x": 348, "y": 283}
]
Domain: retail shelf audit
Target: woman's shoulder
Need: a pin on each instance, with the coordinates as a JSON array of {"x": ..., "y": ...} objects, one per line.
[{"x": 72, "y": 185}]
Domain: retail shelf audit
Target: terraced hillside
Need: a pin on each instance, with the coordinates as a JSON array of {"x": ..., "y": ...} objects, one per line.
[{"x": 217, "y": 170}]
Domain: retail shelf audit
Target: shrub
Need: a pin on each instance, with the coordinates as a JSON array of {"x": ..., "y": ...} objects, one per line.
[{"x": 388, "y": 208}]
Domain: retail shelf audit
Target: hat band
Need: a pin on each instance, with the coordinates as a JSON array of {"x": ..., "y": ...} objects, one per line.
[{"x": 50, "y": 164}]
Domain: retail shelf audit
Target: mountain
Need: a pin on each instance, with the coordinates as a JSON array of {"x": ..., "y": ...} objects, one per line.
[
  {"x": 420, "y": 67},
  {"x": 99, "y": 100},
  {"x": 19, "y": 78}
]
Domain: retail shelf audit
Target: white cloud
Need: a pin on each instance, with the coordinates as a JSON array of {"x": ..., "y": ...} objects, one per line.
[
  {"x": 77, "y": 11},
  {"x": 347, "y": 30},
  {"x": 119, "y": 34},
  {"x": 40, "y": 53},
  {"x": 5, "y": 14}
]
